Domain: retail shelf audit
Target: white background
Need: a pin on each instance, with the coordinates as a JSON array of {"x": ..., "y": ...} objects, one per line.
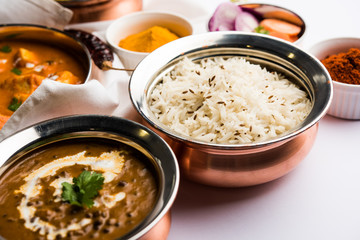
[{"x": 320, "y": 199}]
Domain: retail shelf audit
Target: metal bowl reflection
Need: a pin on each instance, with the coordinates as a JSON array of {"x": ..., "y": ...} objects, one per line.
[{"x": 229, "y": 165}]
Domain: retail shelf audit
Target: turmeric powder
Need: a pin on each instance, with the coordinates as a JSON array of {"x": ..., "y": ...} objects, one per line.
[{"x": 148, "y": 40}]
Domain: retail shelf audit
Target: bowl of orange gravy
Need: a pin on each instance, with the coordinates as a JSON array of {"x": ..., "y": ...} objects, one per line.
[
  {"x": 30, "y": 54},
  {"x": 86, "y": 177}
]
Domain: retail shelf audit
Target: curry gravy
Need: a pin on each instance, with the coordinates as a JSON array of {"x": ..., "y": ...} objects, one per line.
[
  {"x": 31, "y": 206},
  {"x": 25, "y": 64}
]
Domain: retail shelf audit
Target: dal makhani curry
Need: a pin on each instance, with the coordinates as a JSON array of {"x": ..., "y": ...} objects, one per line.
[
  {"x": 88, "y": 189},
  {"x": 25, "y": 64}
]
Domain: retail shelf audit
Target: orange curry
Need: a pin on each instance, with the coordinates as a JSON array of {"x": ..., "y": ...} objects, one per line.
[{"x": 24, "y": 65}]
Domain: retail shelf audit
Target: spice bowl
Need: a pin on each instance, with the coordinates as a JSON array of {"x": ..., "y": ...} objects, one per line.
[
  {"x": 97, "y": 144},
  {"x": 140, "y": 21},
  {"x": 241, "y": 164},
  {"x": 346, "y": 98}
]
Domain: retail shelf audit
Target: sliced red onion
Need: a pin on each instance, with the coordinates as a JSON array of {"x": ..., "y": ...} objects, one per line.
[
  {"x": 246, "y": 22},
  {"x": 224, "y": 17}
]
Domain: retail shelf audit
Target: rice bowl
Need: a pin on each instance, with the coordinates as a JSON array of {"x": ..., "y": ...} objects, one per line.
[{"x": 234, "y": 164}]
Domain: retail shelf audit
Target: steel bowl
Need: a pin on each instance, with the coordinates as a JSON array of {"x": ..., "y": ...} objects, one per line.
[
  {"x": 52, "y": 37},
  {"x": 159, "y": 154},
  {"x": 263, "y": 11},
  {"x": 227, "y": 165}
]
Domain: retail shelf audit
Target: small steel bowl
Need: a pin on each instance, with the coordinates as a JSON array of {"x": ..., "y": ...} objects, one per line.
[
  {"x": 160, "y": 155},
  {"x": 229, "y": 165},
  {"x": 263, "y": 11},
  {"x": 51, "y": 37}
]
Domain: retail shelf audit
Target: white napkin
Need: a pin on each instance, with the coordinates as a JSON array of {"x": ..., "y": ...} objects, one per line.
[
  {"x": 42, "y": 12},
  {"x": 55, "y": 99},
  {"x": 105, "y": 95}
]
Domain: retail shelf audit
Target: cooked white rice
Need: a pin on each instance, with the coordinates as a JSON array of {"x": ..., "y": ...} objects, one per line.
[{"x": 228, "y": 101}]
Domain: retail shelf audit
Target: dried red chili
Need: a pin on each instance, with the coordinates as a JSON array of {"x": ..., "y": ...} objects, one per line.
[
  {"x": 100, "y": 52},
  {"x": 344, "y": 67}
]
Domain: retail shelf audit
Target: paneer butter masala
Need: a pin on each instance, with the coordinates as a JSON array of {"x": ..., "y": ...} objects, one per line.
[
  {"x": 88, "y": 189},
  {"x": 25, "y": 64}
]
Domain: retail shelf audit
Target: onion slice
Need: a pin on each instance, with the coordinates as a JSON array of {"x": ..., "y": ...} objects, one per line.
[
  {"x": 246, "y": 22},
  {"x": 224, "y": 17}
]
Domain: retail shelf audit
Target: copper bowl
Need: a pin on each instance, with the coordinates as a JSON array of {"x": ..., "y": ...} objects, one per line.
[
  {"x": 100, "y": 10},
  {"x": 228, "y": 165},
  {"x": 157, "y": 224}
]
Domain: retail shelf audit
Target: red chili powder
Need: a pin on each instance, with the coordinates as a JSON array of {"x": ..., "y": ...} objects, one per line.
[{"x": 344, "y": 67}]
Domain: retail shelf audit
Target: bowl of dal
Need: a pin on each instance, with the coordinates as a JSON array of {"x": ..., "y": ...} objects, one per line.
[
  {"x": 86, "y": 177},
  {"x": 238, "y": 109}
]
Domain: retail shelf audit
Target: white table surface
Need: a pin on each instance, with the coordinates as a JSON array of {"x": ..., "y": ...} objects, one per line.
[{"x": 320, "y": 199}]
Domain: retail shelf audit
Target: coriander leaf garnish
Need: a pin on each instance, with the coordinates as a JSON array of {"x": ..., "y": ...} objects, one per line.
[
  {"x": 261, "y": 29},
  {"x": 16, "y": 71},
  {"x": 14, "y": 104},
  {"x": 69, "y": 194},
  {"x": 5, "y": 49},
  {"x": 84, "y": 189}
]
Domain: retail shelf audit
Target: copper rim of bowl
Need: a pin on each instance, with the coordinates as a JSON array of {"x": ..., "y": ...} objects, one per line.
[
  {"x": 62, "y": 40},
  {"x": 78, "y": 3},
  {"x": 253, "y": 6},
  {"x": 259, "y": 48},
  {"x": 114, "y": 129}
]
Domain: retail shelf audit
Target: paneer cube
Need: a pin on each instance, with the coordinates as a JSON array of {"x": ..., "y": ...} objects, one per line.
[
  {"x": 24, "y": 85},
  {"x": 23, "y": 57},
  {"x": 67, "y": 77}
]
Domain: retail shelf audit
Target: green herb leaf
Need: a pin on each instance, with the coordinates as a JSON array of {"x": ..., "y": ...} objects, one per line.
[
  {"x": 5, "y": 49},
  {"x": 261, "y": 29},
  {"x": 14, "y": 104},
  {"x": 16, "y": 71},
  {"x": 69, "y": 194},
  {"x": 84, "y": 189}
]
